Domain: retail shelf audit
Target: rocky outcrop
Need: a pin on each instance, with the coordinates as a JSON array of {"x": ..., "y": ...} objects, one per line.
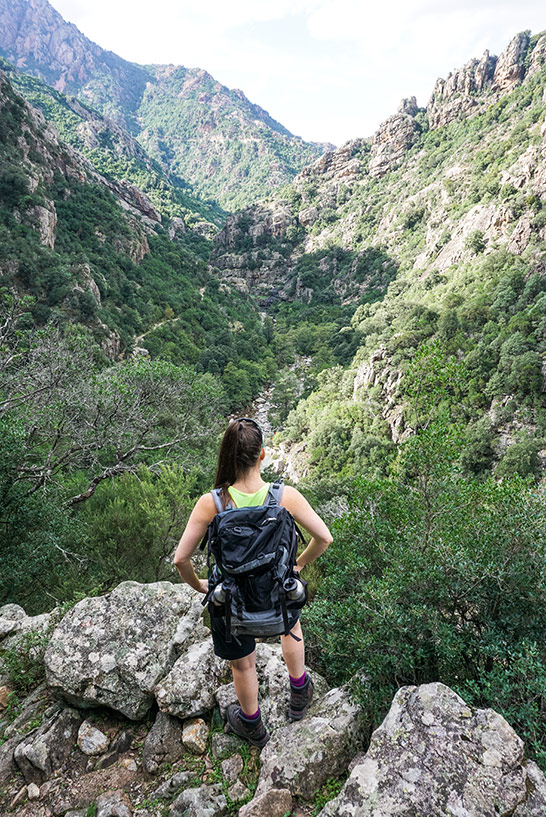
[
  {"x": 479, "y": 83},
  {"x": 510, "y": 67},
  {"x": 345, "y": 163},
  {"x": 393, "y": 139},
  {"x": 434, "y": 755},
  {"x": 300, "y": 757},
  {"x": 455, "y": 97},
  {"x": 114, "y": 649}
]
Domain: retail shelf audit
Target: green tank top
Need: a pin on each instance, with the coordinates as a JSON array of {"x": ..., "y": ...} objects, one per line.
[{"x": 243, "y": 500}]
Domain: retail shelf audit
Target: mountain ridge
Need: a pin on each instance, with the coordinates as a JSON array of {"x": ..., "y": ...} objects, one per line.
[{"x": 176, "y": 123}]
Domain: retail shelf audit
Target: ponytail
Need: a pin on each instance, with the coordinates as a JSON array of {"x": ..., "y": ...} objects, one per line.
[{"x": 239, "y": 451}]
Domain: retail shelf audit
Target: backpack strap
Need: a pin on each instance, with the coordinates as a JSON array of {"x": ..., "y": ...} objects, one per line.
[
  {"x": 216, "y": 495},
  {"x": 275, "y": 492}
]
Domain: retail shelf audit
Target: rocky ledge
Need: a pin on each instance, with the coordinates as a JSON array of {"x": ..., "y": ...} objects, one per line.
[{"x": 129, "y": 721}]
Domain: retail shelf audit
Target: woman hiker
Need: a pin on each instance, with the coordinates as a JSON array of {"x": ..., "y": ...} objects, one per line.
[{"x": 238, "y": 476}]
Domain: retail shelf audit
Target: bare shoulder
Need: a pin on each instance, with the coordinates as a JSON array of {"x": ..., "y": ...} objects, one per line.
[
  {"x": 205, "y": 507},
  {"x": 292, "y": 499}
]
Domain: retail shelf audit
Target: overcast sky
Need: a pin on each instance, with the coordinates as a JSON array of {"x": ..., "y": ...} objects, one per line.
[{"x": 328, "y": 70}]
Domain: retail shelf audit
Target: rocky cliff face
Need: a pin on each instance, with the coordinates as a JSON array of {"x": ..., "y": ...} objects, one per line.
[
  {"x": 237, "y": 152},
  {"x": 42, "y": 154},
  {"x": 330, "y": 202},
  {"x": 480, "y": 83}
]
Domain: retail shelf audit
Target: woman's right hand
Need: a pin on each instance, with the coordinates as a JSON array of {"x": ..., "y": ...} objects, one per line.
[{"x": 204, "y": 586}]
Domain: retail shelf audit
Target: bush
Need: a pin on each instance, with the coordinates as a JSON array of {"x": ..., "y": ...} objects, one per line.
[
  {"x": 475, "y": 242},
  {"x": 432, "y": 576}
]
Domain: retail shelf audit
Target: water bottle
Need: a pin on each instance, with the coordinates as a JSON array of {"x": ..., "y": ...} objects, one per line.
[
  {"x": 294, "y": 589},
  {"x": 218, "y": 595}
]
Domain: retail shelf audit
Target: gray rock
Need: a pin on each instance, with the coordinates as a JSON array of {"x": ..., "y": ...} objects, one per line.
[
  {"x": 112, "y": 650},
  {"x": 434, "y": 755},
  {"x": 195, "y": 735},
  {"x": 232, "y": 768},
  {"x": 270, "y": 803},
  {"x": 206, "y": 801},
  {"x": 44, "y": 749},
  {"x": 172, "y": 785},
  {"x": 238, "y": 791},
  {"x": 33, "y": 791},
  {"x": 189, "y": 688},
  {"x": 223, "y": 744},
  {"x": 8, "y": 766},
  {"x": 7, "y": 626},
  {"x": 535, "y": 802},
  {"x": 163, "y": 743},
  {"x": 12, "y": 611},
  {"x": 114, "y": 804},
  {"x": 300, "y": 757},
  {"x": 91, "y": 740}
]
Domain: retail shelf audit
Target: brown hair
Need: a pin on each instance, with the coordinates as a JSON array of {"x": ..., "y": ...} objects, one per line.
[{"x": 239, "y": 451}]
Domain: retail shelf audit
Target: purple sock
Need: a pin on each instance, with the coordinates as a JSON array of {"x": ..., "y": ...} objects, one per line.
[
  {"x": 253, "y": 717},
  {"x": 298, "y": 682}
]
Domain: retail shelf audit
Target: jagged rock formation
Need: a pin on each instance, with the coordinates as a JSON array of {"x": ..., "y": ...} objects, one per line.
[
  {"x": 237, "y": 151},
  {"x": 393, "y": 139},
  {"x": 480, "y": 83},
  {"x": 434, "y": 755}
]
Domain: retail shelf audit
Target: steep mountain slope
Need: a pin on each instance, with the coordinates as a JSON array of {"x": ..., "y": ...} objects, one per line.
[
  {"x": 228, "y": 148},
  {"x": 114, "y": 152},
  {"x": 432, "y": 230},
  {"x": 95, "y": 251}
]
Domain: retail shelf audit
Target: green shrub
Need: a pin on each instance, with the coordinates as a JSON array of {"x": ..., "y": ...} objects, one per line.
[{"x": 433, "y": 576}]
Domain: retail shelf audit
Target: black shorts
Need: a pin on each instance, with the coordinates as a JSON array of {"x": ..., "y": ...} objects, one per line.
[{"x": 244, "y": 645}]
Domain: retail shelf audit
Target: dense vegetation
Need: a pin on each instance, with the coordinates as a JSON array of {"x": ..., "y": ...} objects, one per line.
[
  {"x": 232, "y": 151},
  {"x": 114, "y": 153},
  {"x": 434, "y": 575},
  {"x": 127, "y": 282}
]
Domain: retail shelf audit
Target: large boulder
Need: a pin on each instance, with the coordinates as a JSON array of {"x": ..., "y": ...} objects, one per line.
[
  {"x": 433, "y": 755},
  {"x": 112, "y": 650},
  {"x": 189, "y": 688},
  {"x": 302, "y": 756}
]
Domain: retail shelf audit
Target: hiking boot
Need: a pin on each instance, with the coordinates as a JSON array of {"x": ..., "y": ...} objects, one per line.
[
  {"x": 300, "y": 698},
  {"x": 253, "y": 731}
]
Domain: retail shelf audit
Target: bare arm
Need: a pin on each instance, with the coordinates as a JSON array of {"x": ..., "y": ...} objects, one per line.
[
  {"x": 194, "y": 531},
  {"x": 305, "y": 516}
]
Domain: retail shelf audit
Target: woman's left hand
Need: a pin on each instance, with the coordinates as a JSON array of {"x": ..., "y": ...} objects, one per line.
[{"x": 204, "y": 586}]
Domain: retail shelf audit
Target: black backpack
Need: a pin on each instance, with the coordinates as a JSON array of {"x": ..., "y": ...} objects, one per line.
[{"x": 251, "y": 555}]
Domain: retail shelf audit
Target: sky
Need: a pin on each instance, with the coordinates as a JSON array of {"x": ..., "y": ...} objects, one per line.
[{"x": 328, "y": 70}]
